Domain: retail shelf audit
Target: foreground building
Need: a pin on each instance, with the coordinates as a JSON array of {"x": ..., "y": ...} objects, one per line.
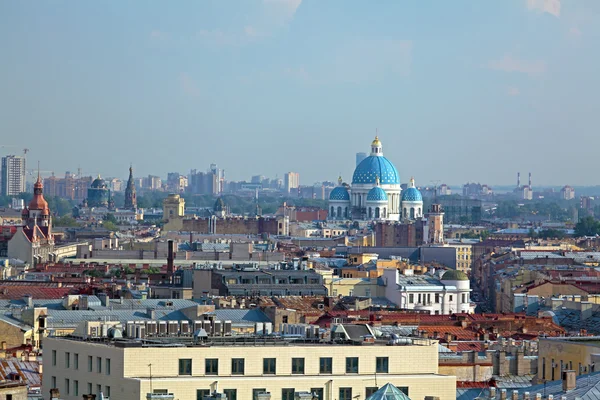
[{"x": 242, "y": 368}]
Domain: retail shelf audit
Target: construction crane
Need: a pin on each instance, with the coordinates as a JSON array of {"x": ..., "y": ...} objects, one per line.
[{"x": 25, "y": 151}]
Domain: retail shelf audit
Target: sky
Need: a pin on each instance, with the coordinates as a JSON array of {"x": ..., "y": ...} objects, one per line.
[{"x": 458, "y": 91}]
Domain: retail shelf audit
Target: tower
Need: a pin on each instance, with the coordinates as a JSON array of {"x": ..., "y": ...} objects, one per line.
[
  {"x": 130, "y": 196},
  {"x": 13, "y": 175},
  {"x": 435, "y": 225}
]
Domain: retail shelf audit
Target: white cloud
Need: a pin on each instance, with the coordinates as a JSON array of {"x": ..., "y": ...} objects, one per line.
[
  {"x": 513, "y": 91},
  {"x": 511, "y": 64},
  {"x": 282, "y": 11},
  {"x": 545, "y": 6},
  {"x": 188, "y": 85}
]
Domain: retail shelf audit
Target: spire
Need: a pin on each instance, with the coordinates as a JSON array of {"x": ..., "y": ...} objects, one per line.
[
  {"x": 377, "y": 180},
  {"x": 38, "y": 178},
  {"x": 412, "y": 181},
  {"x": 340, "y": 180},
  {"x": 376, "y": 148}
]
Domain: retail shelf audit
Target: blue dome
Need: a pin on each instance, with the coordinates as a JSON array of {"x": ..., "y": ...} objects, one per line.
[
  {"x": 377, "y": 194},
  {"x": 340, "y": 193},
  {"x": 376, "y": 166},
  {"x": 411, "y": 194}
]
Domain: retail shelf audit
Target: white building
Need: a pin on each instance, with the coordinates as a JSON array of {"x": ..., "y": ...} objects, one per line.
[
  {"x": 375, "y": 193},
  {"x": 291, "y": 181},
  {"x": 448, "y": 295},
  {"x": 13, "y": 175}
]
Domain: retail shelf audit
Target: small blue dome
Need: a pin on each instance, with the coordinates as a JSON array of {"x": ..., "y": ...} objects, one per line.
[
  {"x": 377, "y": 194},
  {"x": 340, "y": 193},
  {"x": 411, "y": 194},
  {"x": 376, "y": 166}
]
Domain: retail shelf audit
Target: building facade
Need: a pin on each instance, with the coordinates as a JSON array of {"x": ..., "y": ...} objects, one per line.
[
  {"x": 375, "y": 192},
  {"x": 291, "y": 181},
  {"x": 127, "y": 371},
  {"x": 13, "y": 175}
]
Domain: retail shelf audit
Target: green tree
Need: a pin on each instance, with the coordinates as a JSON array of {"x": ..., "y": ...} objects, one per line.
[
  {"x": 111, "y": 226},
  {"x": 66, "y": 221},
  {"x": 588, "y": 226},
  {"x": 110, "y": 218}
]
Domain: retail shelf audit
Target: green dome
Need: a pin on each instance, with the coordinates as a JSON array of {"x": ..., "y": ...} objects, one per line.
[{"x": 454, "y": 275}]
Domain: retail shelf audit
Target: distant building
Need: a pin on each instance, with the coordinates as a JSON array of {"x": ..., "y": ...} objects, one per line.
[
  {"x": 13, "y": 175},
  {"x": 444, "y": 190},
  {"x": 33, "y": 242},
  {"x": 291, "y": 181},
  {"x": 116, "y": 185},
  {"x": 204, "y": 183},
  {"x": 360, "y": 157},
  {"x": 70, "y": 187},
  {"x": 98, "y": 194},
  {"x": 476, "y": 190},
  {"x": 448, "y": 294},
  {"x": 130, "y": 193},
  {"x": 567, "y": 193},
  {"x": 460, "y": 210},
  {"x": 524, "y": 192}
]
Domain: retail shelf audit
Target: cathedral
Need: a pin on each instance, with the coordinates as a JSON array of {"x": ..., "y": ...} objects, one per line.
[{"x": 375, "y": 192}]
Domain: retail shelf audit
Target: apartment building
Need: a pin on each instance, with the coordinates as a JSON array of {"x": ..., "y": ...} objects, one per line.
[{"x": 242, "y": 368}]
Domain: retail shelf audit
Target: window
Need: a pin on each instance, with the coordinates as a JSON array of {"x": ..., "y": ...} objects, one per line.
[
  {"x": 325, "y": 365},
  {"x": 403, "y": 389},
  {"x": 411, "y": 298},
  {"x": 90, "y": 362},
  {"x": 67, "y": 386},
  {"x": 450, "y": 298},
  {"x": 318, "y": 393},
  {"x": 284, "y": 319},
  {"x": 437, "y": 297},
  {"x": 108, "y": 366},
  {"x": 89, "y": 388},
  {"x": 297, "y": 365},
  {"x": 76, "y": 361},
  {"x": 200, "y": 393},
  {"x": 382, "y": 365},
  {"x": 107, "y": 391},
  {"x": 98, "y": 391},
  {"x": 185, "y": 366},
  {"x": 211, "y": 366},
  {"x": 287, "y": 394},
  {"x": 76, "y": 388},
  {"x": 464, "y": 298},
  {"x": 230, "y": 393},
  {"x": 269, "y": 366},
  {"x": 53, "y": 382},
  {"x": 255, "y": 393},
  {"x": 351, "y": 365},
  {"x": 237, "y": 366},
  {"x": 345, "y": 394},
  {"x": 54, "y": 358},
  {"x": 367, "y": 292},
  {"x": 370, "y": 390},
  {"x": 99, "y": 365},
  {"x": 67, "y": 360}
]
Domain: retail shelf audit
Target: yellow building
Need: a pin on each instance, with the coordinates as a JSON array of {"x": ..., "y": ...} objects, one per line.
[
  {"x": 464, "y": 253},
  {"x": 579, "y": 354},
  {"x": 129, "y": 370},
  {"x": 360, "y": 287},
  {"x": 173, "y": 212}
]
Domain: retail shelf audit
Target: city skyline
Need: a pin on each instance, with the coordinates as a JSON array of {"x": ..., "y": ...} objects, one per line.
[{"x": 457, "y": 92}]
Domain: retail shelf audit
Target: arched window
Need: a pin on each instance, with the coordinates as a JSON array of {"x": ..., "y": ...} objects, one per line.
[
  {"x": 405, "y": 213},
  {"x": 339, "y": 211},
  {"x": 370, "y": 212},
  {"x": 377, "y": 212},
  {"x": 332, "y": 211},
  {"x": 412, "y": 213},
  {"x": 420, "y": 213}
]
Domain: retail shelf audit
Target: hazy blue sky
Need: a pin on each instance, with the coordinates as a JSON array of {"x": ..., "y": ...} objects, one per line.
[{"x": 459, "y": 90}]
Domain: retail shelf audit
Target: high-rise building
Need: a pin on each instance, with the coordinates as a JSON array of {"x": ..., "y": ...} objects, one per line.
[
  {"x": 13, "y": 175},
  {"x": 291, "y": 181},
  {"x": 203, "y": 182},
  {"x": 360, "y": 157},
  {"x": 130, "y": 195},
  {"x": 220, "y": 177}
]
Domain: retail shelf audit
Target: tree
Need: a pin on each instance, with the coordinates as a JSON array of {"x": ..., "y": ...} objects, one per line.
[
  {"x": 110, "y": 218},
  {"x": 111, "y": 226},
  {"x": 65, "y": 221},
  {"x": 588, "y": 226}
]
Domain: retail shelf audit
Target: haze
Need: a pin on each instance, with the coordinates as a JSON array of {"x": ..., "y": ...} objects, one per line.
[{"x": 458, "y": 90}]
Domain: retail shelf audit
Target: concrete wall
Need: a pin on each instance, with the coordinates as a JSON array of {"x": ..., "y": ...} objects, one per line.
[{"x": 443, "y": 255}]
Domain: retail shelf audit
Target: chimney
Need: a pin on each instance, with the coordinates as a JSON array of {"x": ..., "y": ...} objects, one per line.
[
  {"x": 526, "y": 396},
  {"x": 170, "y": 257},
  {"x": 538, "y": 396},
  {"x": 151, "y": 312},
  {"x": 54, "y": 394},
  {"x": 515, "y": 395},
  {"x": 502, "y": 394},
  {"x": 569, "y": 380},
  {"x": 104, "y": 299},
  {"x": 492, "y": 392},
  {"x": 3, "y": 345},
  {"x": 28, "y": 300}
]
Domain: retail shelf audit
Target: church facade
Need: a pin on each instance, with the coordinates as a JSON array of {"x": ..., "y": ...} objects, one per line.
[{"x": 375, "y": 192}]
